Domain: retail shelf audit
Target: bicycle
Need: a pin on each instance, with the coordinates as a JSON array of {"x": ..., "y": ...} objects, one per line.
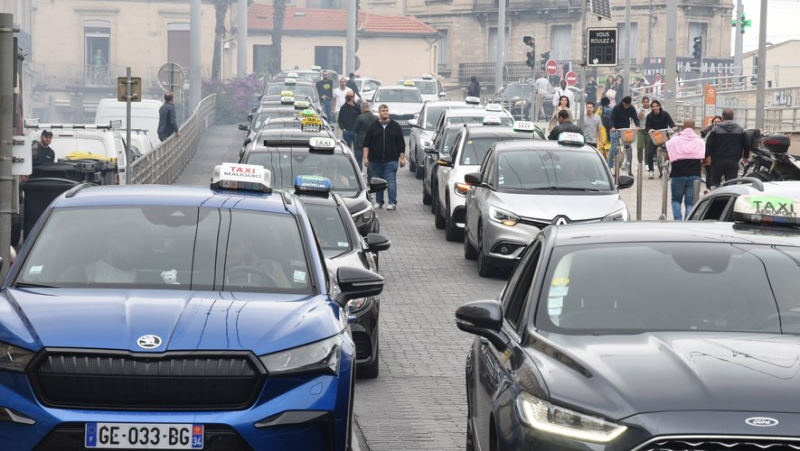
[
  {"x": 626, "y": 137},
  {"x": 660, "y": 138}
]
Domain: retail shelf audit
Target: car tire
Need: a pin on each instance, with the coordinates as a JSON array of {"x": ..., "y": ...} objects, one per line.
[
  {"x": 485, "y": 269},
  {"x": 439, "y": 218},
  {"x": 412, "y": 166},
  {"x": 433, "y": 198},
  {"x": 420, "y": 172},
  {"x": 470, "y": 253},
  {"x": 371, "y": 370},
  {"x": 426, "y": 197},
  {"x": 451, "y": 230},
  {"x": 470, "y": 432}
]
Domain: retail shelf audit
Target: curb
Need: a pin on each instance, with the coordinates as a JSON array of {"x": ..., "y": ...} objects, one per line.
[{"x": 359, "y": 443}]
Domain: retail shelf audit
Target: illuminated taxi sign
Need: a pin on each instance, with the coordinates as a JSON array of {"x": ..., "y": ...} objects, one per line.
[
  {"x": 473, "y": 100},
  {"x": 301, "y": 105},
  {"x": 571, "y": 139},
  {"x": 492, "y": 120},
  {"x": 320, "y": 143},
  {"x": 312, "y": 184},
  {"x": 290, "y": 81},
  {"x": 311, "y": 124},
  {"x": 287, "y": 100},
  {"x": 242, "y": 177},
  {"x": 409, "y": 83},
  {"x": 287, "y": 93},
  {"x": 761, "y": 209},
  {"x": 523, "y": 126},
  {"x": 494, "y": 107},
  {"x": 308, "y": 112},
  {"x": 291, "y": 75},
  {"x": 316, "y": 68}
]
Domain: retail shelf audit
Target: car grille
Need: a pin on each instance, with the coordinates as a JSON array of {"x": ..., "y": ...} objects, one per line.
[
  {"x": 541, "y": 224},
  {"x": 726, "y": 444},
  {"x": 401, "y": 117},
  {"x": 136, "y": 381},
  {"x": 363, "y": 345}
]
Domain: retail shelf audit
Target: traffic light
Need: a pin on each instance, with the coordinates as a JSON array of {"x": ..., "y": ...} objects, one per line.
[
  {"x": 531, "y": 59},
  {"x": 545, "y": 58},
  {"x": 529, "y": 41},
  {"x": 697, "y": 50}
]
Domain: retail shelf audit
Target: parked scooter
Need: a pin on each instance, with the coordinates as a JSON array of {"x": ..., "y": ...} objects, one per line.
[{"x": 771, "y": 161}]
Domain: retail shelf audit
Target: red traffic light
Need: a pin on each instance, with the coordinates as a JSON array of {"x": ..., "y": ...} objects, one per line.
[{"x": 529, "y": 40}]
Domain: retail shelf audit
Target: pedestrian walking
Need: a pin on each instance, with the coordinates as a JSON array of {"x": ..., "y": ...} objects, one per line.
[
  {"x": 45, "y": 154},
  {"x": 611, "y": 85},
  {"x": 658, "y": 119},
  {"x": 592, "y": 127},
  {"x": 642, "y": 138},
  {"x": 541, "y": 87},
  {"x": 563, "y": 105},
  {"x": 347, "y": 118},
  {"x": 351, "y": 83},
  {"x": 167, "y": 122},
  {"x": 590, "y": 92},
  {"x": 340, "y": 95},
  {"x": 621, "y": 117},
  {"x": 686, "y": 152},
  {"x": 716, "y": 120},
  {"x": 605, "y": 118},
  {"x": 620, "y": 88},
  {"x": 725, "y": 146},
  {"x": 564, "y": 125},
  {"x": 563, "y": 91},
  {"x": 474, "y": 89},
  {"x": 363, "y": 123},
  {"x": 384, "y": 150},
  {"x": 325, "y": 91}
]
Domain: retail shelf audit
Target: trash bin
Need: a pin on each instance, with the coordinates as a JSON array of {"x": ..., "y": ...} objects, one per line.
[{"x": 39, "y": 193}]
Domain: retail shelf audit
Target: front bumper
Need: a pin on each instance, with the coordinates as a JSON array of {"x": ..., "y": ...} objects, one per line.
[
  {"x": 293, "y": 412},
  {"x": 503, "y": 245}
]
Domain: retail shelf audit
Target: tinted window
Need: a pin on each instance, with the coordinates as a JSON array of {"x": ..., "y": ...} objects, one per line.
[
  {"x": 432, "y": 116},
  {"x": 475, "y": 149},
  {"x": 123, "y": 247},
  {"x": 535, "y": 170},
  {"x": 576, "y": 297},
  {"x": 329, "y": 228},
  {"x": 285, "y": 166},
  {"x": 425, "y": 87},
  {"x": 272, "y": 113},
  {"x": 398, "y": 95},
  {"x": 447, "y": 143},
  {"x": 300, "y": 90},
  {"x": 716, "y": 208}
]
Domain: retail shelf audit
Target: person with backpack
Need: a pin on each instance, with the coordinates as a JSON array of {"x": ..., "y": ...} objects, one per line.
[{"x": 605, "y": 118}]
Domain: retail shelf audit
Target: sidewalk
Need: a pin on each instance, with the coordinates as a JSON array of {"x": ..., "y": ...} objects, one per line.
[{"x": 219, "y": 144}]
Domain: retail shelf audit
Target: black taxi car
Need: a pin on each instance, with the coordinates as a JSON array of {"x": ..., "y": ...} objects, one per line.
[{"x": 698, "y": 349}]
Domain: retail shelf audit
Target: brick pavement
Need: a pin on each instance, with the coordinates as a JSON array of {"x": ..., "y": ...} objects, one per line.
[{"x": 418, "y": 401}]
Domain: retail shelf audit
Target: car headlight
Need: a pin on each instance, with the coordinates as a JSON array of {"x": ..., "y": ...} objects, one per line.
[
  {"x": 546, "y": 417},
  {"x": 503, "y": 217},
  {"x": 366, "y": 215},
  {"x": 619, "y": 215},
  {"x": 321, "y": 356},
  {"x": 13, "y": 358},
  {"x": 356, "y": 305}
]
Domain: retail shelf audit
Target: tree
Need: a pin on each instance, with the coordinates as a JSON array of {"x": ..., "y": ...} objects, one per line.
[
  {"x": 278, "y": 16},
  {"x": 221, "y": 8}
]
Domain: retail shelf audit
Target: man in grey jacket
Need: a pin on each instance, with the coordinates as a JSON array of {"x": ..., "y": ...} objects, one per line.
[{"x": 363, "y": 123}]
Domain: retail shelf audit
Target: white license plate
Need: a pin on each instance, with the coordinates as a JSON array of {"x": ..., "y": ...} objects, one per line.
[
  {"x": 144, "y": 436},
  {"x": 402, "y": 122}
]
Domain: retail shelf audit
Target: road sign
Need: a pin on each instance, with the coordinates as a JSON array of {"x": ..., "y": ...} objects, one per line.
[
  {"x": 602, "y": 47},
  {"x": 602, "y": 8},
  {"x": 551, "y": 67},
  {"x": 171, "y": 77},
  {"x": 136, "y": 89},
  {"x": 571, "y": 78}
]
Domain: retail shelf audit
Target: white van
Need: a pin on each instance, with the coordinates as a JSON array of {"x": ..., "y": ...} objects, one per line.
[
  {"x": 144, "y": 116},
  {"x": 102, "y": 142}
]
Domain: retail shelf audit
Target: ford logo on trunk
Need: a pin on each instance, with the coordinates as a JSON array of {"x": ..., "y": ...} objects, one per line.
[
  {"x": 149, "y": 341},
  {"x": 761, "y": 422}
]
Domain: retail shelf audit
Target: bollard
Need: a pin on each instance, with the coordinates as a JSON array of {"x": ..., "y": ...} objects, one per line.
[
  {"x": 664, "y": 188},
  {"x": 616, "y": 167},
  {"x": 698, "y": 185},
  {"x": 639, "y": 191}
]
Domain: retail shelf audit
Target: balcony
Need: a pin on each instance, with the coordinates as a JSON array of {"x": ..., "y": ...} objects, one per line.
[
  {"x": 526, "y": 5},
  {"x": 89, "y": 75}
]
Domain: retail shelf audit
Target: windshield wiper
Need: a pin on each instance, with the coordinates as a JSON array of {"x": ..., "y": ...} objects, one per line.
[
  {"x": 33, "y": 285},
  {"x": 567, "y": 188}
]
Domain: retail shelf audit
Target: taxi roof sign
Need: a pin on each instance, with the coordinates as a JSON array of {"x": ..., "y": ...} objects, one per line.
[
  {"x": 242, "y": 177},
  {"x": 492, "y": 120},
  {"x": 291, "y": 75},
  {"x": 571, "y": 139},
  {"x": 287, "y": 100},
  {"x": 287, "y": 93},
  {"x": 312, "y": 184},
  {"x": 290, "y": 81},
  {"x": 301, "y": 104},
  {"x": 473, "y": 100},
  {"x": 523, "y": 126},
  {"x": 316, "y": 68},
  {"x": 311, "y": 124},
  {"x": 409, "y": 83},
  {"x": 765, "y": 209},
  {"x": 321, "y": 143},
  {"x": 427, "y": 77},
  {"x": 494, "y": 107}
]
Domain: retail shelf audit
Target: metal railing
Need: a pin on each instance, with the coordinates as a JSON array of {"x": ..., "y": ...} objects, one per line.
[
  {"x": 512, "y": 71},
  {"x": 775, "y": 119},
  {"x": 164, "y": 164},
  {"x": 518, "y": 5}
]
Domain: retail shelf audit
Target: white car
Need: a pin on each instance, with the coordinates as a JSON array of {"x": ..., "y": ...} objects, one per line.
[
  {"x": 404, "y": 103},
  {"x": 428, "y": 86},
  {"x": 469, "y": 149}
]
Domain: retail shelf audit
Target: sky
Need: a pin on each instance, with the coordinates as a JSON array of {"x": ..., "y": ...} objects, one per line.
[{"x": 782, "y": 19}]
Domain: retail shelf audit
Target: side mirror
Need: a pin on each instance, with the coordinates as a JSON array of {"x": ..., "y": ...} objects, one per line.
[
  {"x": 430, "y": 150},
  {"x": 413, "y": 123},
  {"x": 377, "y": 184},
  {"x": 377, "y": 242},
  {"x": 446, "y": 162},
  {"x": 473, "y": 179},
  {"x": 355, "y": 283},
  {"x": 442, "y": 95},
  {"x": 484, "y": 319},
  {"x": 243, "y": 127},
  {"x": 625, "y": 181}
]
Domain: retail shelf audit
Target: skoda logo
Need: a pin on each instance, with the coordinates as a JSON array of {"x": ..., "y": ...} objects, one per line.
[
  {"x": 761, "y": 422},
  {"x": 149, "y": 341},
  {"x": 561, "y": 220}
]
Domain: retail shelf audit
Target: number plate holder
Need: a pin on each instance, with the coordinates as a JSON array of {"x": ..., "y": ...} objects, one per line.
[{"x": 144, "y": 436}]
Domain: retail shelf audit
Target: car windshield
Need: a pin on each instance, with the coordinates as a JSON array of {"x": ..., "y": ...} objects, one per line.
[
  {"x": 398, "y": 95},
  {"x": 475, "y": 149},
  {"x": 172, "y": 248},
  {"x": 427, "y": 87},
  {"x": 525, "y": 170},
  {"x": 300, "y": 90},
  {"x": 668, "y": 289},
  {"x": 271, "y": 113},
  {"x": 432, "y": 116},
  {"x": 286, "y": 165},
  {"x": 516, "y": 91},
  {"x": 329, "y": 229}
]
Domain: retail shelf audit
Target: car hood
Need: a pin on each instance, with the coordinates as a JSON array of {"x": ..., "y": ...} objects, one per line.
[
  {"x": 115, "y": 319},
  {"x": 548, "y": 206},
  {"x": 623, "y": 375}
]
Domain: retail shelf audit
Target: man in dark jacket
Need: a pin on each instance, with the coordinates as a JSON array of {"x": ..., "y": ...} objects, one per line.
[
  {"x": 325, "y": 91},
  {"x": 167, "y": 124},
  {"x": 363, "y": 123},
  {"x": 725, "y": 146},
  {"x": 564, "y": 125},
  {"x": 384, "y": 149},
  {"x": 45, "y": 154},
  {"x": 474, "y": 89},
  {"x": 347, "y": 118},
  {"x": 657, "y": 119},
  {"x": 621, "y": 117},
  {"x": 351, "y": 83}
]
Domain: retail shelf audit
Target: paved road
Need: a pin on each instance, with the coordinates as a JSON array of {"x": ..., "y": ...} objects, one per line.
[{"x": 418, "y": 402}]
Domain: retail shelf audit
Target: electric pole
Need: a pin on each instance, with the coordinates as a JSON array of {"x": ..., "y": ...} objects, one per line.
[
  {"x": 671, "y": 60},
  {"x": 762, "y": 66},
  {"x": 501, "y": 42},
  {"x": 352, "y": 14},
  {"x": 241, "y": 46},
  {"x": 7, "y": 55},
  {"x": 196, "y": 64}
]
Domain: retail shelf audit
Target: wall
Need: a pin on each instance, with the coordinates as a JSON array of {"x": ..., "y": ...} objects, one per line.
[{"x": 783, "y": 69}]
